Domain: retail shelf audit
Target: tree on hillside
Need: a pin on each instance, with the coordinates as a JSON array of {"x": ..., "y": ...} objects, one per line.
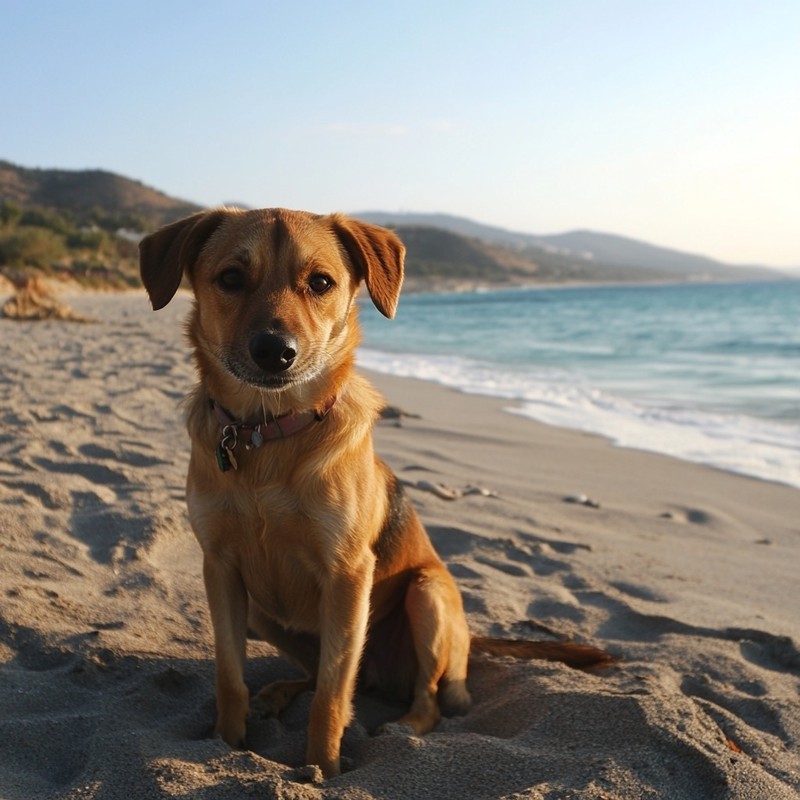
[{"x": 10, "y": 213}]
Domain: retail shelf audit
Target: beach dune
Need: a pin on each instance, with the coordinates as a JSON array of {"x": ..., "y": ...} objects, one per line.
[{"x": 687, "y": 574}]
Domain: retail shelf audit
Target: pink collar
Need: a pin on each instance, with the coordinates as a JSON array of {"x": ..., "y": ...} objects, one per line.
[{"x": 255, "y": 435}]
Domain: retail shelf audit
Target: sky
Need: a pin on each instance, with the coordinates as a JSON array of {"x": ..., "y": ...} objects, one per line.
[{"x": 677, "y": 123}]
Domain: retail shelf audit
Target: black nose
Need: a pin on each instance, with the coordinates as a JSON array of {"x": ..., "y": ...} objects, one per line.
[{"x": 273, "y": 352}]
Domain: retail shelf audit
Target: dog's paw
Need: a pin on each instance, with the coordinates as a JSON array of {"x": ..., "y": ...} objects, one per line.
[
  {"x": 311, "y": 773},
  {"x": 232, "y": 732},
  {"x": 275, "y": 697},
  {"x": 267, "y": 704}
]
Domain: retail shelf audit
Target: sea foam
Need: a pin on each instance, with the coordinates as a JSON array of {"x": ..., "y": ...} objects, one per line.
[{"x": 732, "y": 442}]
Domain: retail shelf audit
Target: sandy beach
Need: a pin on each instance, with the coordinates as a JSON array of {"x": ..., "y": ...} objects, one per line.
[{"x": 688, "y": 574}]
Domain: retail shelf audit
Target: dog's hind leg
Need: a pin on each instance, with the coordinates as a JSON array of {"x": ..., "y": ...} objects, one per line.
[{"x": 441, "y": 642}]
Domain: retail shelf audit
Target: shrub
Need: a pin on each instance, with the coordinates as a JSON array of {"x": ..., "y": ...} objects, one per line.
[
  {"x": 30, "y": 246},
  {"x": 10, "y": 213},
  {"x": 43, "y": 218},
  {"x": 96, "y": 241}
]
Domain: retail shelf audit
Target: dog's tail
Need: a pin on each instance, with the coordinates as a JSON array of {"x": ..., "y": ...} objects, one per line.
[{"x": 573, "y": 654}]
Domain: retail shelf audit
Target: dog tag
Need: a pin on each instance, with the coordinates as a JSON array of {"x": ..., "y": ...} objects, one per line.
[
  {"x": 256, "y": 439},
  {"x": 231, "y": 458},
  {"x": 223, "y": 459}
]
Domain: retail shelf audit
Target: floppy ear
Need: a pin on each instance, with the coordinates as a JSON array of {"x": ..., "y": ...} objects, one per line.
[
  {"x": 377, "y": 254},
  {"x": 167, "y": 253}
]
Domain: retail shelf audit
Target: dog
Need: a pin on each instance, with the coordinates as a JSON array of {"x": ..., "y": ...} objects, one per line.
[{"x": 309, "y": 542}]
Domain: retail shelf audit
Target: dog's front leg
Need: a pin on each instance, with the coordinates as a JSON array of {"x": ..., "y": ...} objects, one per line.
[
  {"x": 344, "y": 614},
  {"x": 227, "y": 601}
]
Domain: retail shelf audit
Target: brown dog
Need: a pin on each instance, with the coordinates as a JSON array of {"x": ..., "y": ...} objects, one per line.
[{"x": 308, "y": 540}]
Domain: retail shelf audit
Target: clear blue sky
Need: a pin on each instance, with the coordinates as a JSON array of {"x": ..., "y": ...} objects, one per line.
[{"x": 673, "y": 122}]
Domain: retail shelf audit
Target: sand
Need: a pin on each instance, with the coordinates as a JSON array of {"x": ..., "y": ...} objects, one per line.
[{"x": 688, "y": 574}]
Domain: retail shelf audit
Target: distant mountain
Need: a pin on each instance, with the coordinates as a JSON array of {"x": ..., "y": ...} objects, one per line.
[
  {"x": 622, "y": 250},
  {"x": 441, "y": 259},
  {"x": 604, "y": 251},
  {"x": 443, "y": 251},
  {"x": 79, "y": 192}
]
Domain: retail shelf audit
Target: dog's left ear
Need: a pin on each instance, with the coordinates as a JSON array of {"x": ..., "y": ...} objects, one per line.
[
  {"x": 167, "y": 253},
  {"x": 377, "y": 254}
]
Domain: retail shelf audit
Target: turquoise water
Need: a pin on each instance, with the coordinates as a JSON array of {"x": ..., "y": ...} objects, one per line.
[{"x": 706, "y": 372}]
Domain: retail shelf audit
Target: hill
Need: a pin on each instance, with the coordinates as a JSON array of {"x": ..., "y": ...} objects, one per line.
[
  {"x": 583, "y": 254},
  {"x": 442, "y": 259},
  {"x": 78, "y": 225},
  {"x": 80, "y": 193}
]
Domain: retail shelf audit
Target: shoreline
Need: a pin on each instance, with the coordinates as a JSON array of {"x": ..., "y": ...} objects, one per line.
[
  {"x": 544, "y": 464},
  {"x": 708, "y": 400},
  {"x": 415, "y": 286},
  {"x": 511, "y": 405},
  {"x": 685, "y": 572},
  {"x": 507, "y": 406},
  {"x": 516, "y": 406}
]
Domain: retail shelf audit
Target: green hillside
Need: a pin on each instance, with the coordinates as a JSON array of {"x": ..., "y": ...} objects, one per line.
[{"x": 80, "y": 225}]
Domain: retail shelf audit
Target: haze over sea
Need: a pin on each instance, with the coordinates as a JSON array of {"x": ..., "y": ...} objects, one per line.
[{"x": 703, "y": 372}]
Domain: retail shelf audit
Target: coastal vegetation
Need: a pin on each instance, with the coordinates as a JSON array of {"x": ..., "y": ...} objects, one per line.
[
  {"x": 81, "y": 226},
  {"x": 98, "y": 248}
]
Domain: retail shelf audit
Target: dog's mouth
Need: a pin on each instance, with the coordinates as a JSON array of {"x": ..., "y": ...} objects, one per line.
[
  {"x": 287, "y": 372},
  {"x": 253, "y": 376}
]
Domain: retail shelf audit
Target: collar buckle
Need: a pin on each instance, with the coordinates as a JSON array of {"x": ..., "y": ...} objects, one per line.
[{"x": 255, "y": 435}]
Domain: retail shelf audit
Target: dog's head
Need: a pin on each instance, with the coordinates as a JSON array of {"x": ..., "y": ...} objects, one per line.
[{"x": 274, "y": 289}]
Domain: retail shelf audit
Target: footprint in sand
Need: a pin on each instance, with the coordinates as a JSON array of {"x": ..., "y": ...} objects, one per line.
[
  {"x": 693, "y": 516},
  {"x": 36, "y": 708},
  {"x": 639, "y": 592},
  {"x": 129, "y": 457},
  {"x": 96, "y": 473}
]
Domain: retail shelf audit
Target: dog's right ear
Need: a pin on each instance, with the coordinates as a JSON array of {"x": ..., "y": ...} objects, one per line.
[
  {"x": 378, "y": 256},
  {"x": 165, "y": 255}
]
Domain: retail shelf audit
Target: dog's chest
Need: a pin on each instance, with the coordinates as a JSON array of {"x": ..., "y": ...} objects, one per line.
[
  {"x": 283, "y": 583},
  {"x": 279, "y": 546}
]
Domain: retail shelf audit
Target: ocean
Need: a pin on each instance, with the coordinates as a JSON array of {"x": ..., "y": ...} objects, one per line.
[{"x": 704, "y": 372}]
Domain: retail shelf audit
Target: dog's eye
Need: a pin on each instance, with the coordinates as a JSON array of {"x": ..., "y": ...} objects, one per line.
[
  {"x": 231, "y": 279},
  {"x": 319, "y": 284}
]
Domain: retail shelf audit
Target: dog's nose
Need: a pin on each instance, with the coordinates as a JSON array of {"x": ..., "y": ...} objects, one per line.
[{"x": 273, "y": 352}]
